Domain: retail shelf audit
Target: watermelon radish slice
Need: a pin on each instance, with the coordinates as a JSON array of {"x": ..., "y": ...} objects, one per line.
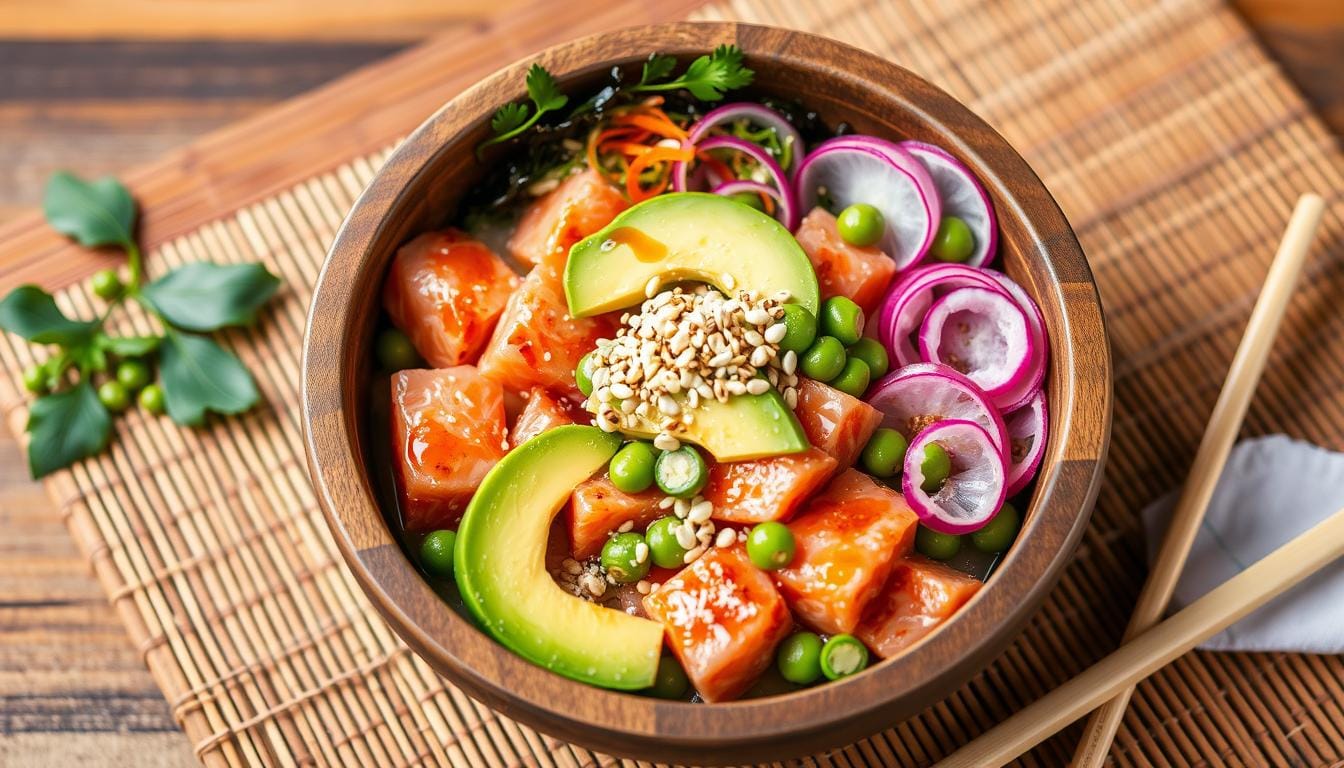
[
  {"x": 915, "y": 396},
  {"x": 983, "y": 334},
  {"x": 864, "y": 169},
  {"x": 962, "y": 196},
  {"x": 907, "y": 302},
  {"x": 1027, "y": 430},
  {"x": 974, "y": 490}
]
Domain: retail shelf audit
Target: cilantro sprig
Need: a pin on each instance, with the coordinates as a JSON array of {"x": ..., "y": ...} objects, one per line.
[
  {"x": 513, "y": 118},
  {"x": 71, "y": 418},
  {"x": 707, "y": 78}
]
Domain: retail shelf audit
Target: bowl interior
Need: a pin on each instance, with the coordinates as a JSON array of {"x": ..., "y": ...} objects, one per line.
[{"x": 419, "y": 188}]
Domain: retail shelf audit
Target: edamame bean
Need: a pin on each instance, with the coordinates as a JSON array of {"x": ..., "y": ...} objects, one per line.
[
  {"x": 436, "y": 553},
  {"x": 620, "y": 558},
  {"x": 854, "y": 377},
  {"x": 800, "y": 329},
  {"x": 860, "y": 224},
  {"x": 884, "y": 455},
  {"x": 824, "y": 360},
  {"x": 631, "y": 469},
  {"x": 843, "y": 319},
  {"x": 770, "y": 546},
  {"x": 939, "y": 546},
  {"x": 954, "y": 241},
  {"x": 873, "y": 353},
  {"x": 935, "y": 466},
  {"x": 799, "y": 658},
  {"x": 999, "y": 532}
]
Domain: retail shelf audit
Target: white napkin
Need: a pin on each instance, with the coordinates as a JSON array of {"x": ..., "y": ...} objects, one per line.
[{"x": 1272, "y": 489}]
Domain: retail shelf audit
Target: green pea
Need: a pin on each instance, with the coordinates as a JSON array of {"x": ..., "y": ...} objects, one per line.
[
  {"x": 884, "y": 455},
  {"x": 873, "y": 353},
  {"x": 133, "y": 375},
  {"x": 800, "y": 328},
  {"x": 770, "y": 546},
  {"x": 749, "y": 199},
  {"x": 631, "y": 469},
  {"x": 583, "y": 374},
  {"x": 106, "y": 284},
  {"x": 799, "y": 658},
  {"x": 436, "y": 553},
  {"x": 954, "y": 241},
  {"x": 681, "y": 473},
  {"x": 843, "y": 319},
  {"x": 621, "y": 558},
  {"x": 843, "y": 655},
  {"x": 860, "y": 224},
  {"x": 854, "y": 377},
  {"x": 151, "y": 399},
  {"x": 999, "y": 532},
  {"x": 670, "y": 681},
  {"x": 664, "y": 548},
  {"x": 114, "y": 396},
  {"x": 939, "y": 546},
  {"x": 824, "y": 360},
  {"x": 395, "y": 351},
  {"x": 35, "y": 379},
  {"x": 935, "y": 467}
]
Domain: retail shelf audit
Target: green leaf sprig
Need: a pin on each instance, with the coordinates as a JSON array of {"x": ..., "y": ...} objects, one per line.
[
  {"x": 512, "y": 119},
  {"x": 71, "y": 418},
  {"x": 707, "y": 78}
]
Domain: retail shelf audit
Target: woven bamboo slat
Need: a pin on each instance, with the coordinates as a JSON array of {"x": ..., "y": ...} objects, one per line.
[{"x": 1172, "y": 142}]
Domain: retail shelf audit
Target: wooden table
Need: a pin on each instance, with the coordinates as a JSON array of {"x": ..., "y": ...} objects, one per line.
[{"x": 76, "y": 92}]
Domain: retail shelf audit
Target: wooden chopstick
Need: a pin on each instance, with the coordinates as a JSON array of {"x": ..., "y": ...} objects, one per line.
[
  {"x": 1151, "y": 650},
  {"x": 1221, "y": 432}
]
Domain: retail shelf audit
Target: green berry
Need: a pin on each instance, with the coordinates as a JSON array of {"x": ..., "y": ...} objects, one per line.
[
  {"x": 884, "y": 455},
  {"x": 670, "y": 681},
  {"x": 395, "y": 351},
  {"x": 871, "y": 352},
  {"x": 854, "y": 377},
  {"x": 954, "y": 241},
  {"x": 35, "y": 379},
  {"x": 824, "y": 360},
  {"x": 935, "y": 467},
  {"x": 436, "y": 553},
  {"x": 583, "y": 375},
  {"x": 133, "y": 375},
  {"x": 151, "y": 399},
  {"x": 621, "y": 558},
  {"x": 939, "y": 546},
  {"x": 770, "y": 546},
  {"x": 860, "y": 224},
  {"x": 114, "y": 396},
  {"x": 843, "y": 319},
  {"x": 664, "y": 548},
  {"x": 799, "y": 658},
  {"x": 842, "y": 656},
  {"x": 800, "y": 328},
  {"x": 106, "y": 284},
  {"x": 998, "y": 534},
  {"x": 631, "y": 469}
]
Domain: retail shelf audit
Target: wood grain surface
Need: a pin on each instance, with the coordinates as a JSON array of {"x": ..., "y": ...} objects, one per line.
[{"x": 105, "y": 91}]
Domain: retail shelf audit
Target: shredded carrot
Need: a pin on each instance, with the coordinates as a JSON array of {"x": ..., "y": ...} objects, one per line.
[
  {"x": 655, "y": 155},
  {"x": 653, "y": 121}
]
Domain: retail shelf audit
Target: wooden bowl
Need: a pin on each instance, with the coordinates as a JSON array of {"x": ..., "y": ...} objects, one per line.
[{"x": 417, "y": 189}]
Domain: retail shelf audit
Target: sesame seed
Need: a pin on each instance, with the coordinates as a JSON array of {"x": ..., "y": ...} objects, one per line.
[
  {"x": 758, "y": 386},
  {"x": 685, "y": 537},
  {"x": 760, "y": 357},
  {"x": 621, "y": 391},
  {"x": 790, "y": 362},
  {"x": 729, "y": 282},
  {"x": 667, "y": 501},
  {"x": 681, "y": 508},
  {"x": 693, "y": 555},
  {"x": 791, "y": 397},
  {"x": 775, "y": 333},
  {"x": 699, "y": 513},
  {"x": 651, "y": 287},
  {"x": 641, "y": 552},
  {"x": 666, "y": 442},
  {"x": 628, "y": 525},
  {"x": 725, "y": 538},
  {"x": 642, "y": 586}
]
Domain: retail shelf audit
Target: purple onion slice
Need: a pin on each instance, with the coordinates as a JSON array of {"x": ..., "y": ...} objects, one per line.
[
  {"x": 865, "y": 169},
  {"x": 770, "y": 172},
  {"x": 983, "y": 334},
  {"x": 915, "y": 396},
  {"x": 973, "y": 491},
  {"x": 758, "y": 114},
  {"x": 1028, "y": 428},
  {"x": 1040, "y": 342},
  {"x": 784, "y": 212},
  {"x": 962, "y": 196},
  {"x": 902, "y": 312}
]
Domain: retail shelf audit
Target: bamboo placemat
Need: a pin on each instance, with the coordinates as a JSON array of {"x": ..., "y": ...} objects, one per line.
[{"x": 1169, "y": 138}]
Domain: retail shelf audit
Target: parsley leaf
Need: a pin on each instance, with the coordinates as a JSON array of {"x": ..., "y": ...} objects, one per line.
[
  {"x": 656, "y": 68},
  {"x": 708, "y": 77},
  {"x": 511, "y": 119}
]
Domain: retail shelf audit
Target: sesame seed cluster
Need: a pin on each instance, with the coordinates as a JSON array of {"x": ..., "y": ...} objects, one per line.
[{"x": 698, "y": 344}]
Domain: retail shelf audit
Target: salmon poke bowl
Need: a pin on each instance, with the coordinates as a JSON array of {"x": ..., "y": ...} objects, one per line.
[{"x": 706, "y": 392}]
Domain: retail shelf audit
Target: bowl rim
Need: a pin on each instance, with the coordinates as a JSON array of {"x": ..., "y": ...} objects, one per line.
[{"x": 1080, "y": 404}]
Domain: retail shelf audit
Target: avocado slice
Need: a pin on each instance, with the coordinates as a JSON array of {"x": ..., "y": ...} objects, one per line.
[
  {"x": 686, "y": 236},
  {"x": 499, "y": 562},
  {"x": 745, "y": 427}
]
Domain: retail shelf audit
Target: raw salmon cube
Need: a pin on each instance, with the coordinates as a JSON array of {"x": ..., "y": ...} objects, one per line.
[
  {"x": 447, "y": 432},
  {"x": 541, "y": 413},
  {"x": 834, "y": 421},
  {"x": 723, "y": 619},
  {"x": 580, "y": 206},
  {"x": 848, "y": 538},
  {"x": 537, "y": 343},
  {"x": 919, "y": 595},
  {"x": 862, "y": 274},
  {"x": 766, "y": 489},
  {"x": 597, "y": 508},
  {"x": 446, "y": 291}
]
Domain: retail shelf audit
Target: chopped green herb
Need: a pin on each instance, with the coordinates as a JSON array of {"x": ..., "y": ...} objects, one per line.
[
  {"x": 512, "y": 119},
  {"x": 707, "y": 78}
]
